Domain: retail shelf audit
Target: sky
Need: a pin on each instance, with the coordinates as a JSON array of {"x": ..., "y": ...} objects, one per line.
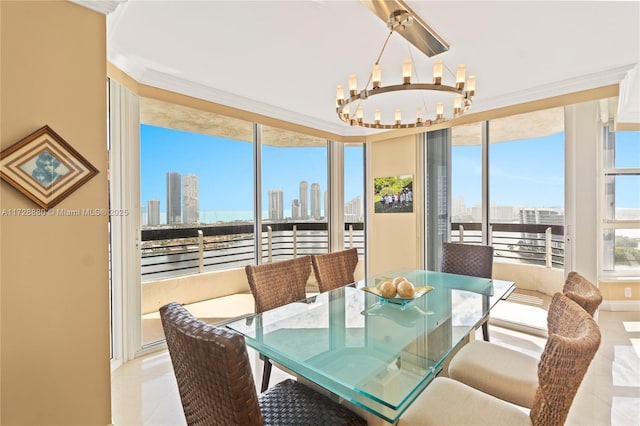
[
  {"x": 224, "y": 168},
  {"x": 527, "y": 173}
]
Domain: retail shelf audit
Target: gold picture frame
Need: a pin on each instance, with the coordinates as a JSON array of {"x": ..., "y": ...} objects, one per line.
[{"x": 44, "y": 167}]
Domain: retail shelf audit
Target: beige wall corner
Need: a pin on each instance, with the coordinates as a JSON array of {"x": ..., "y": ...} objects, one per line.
[{"x": 54, "y": 324}]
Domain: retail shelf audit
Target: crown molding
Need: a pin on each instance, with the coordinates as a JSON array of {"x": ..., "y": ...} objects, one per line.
[
  {"x": 102, "y": 6},
  {"x": 629, "y": 99},
  {"x": 564, "y": 87},
  {"x": 165, "y": 81}
]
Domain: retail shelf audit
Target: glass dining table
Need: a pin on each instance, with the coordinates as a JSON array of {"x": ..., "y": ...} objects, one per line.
[{"x": 378, "y": 354}]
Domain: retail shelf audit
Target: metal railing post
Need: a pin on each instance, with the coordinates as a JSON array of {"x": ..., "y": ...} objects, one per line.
[
  {"x": 295, "y": 241},
  {"x": 351, "y": 236},
  {"x": 461, "y": 234},
  {"x": 547, "y": 247},
  {"x": 269, "y": 244},
  {"x": 200, "y": 251}
]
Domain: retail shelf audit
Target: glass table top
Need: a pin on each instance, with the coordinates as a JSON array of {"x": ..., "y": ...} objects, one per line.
[{"x": 374, "y": 353}]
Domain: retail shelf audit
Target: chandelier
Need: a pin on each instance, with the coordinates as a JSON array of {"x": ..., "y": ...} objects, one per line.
[{"x": 350, "y": 109}]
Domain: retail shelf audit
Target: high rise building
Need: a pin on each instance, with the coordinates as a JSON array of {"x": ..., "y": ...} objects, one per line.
[
  {"x": 295, "y": 209},
  {"x": 541, "y": 215},
  {"x": 190, "y": 199},
  {"x": 315, "y": 201},
  {"x": 304, "y": 199},
  {"x": 276, "y": 204},
  {"x": 174, "y": 198},
  {"x": 153, "y": 212},
  {"x": 354, "y": 210}
]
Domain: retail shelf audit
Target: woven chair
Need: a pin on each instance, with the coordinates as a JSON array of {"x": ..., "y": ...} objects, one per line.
[
  {"x": 583, "y": 292},
  {"x": 574, "y": 338},
  {"x": 274, "y": 285},
  {"x": 216, "y": 385},
  {"x": 481, "y": 364},
  {"x": 468, "y": 259},
  {"x": 333, "y": 270}
]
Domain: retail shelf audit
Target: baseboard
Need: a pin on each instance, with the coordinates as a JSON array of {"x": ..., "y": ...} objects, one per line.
[{"x": 620, "y": 305}]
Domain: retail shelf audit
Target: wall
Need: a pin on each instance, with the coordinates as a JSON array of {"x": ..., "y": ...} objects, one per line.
[
  {"x": 193, "y": 288},
  {"x": 530, "y": 277},
  {"x": 393, "y": 238},
  {"x": 205, "y": 286},
  {"x": 54, "y": 303}
]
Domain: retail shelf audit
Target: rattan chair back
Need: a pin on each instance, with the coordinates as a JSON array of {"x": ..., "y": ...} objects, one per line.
[
  {"x": 216, "y": 385},
  {"x": 583, "y": 292},
  {"x": 278, "y": 283},
  {"x": 212, "y": 369},
  {"x": 574, "y": 338},
  {"x": 333, "y": 270},
  {"x": 467, "y": 259}
]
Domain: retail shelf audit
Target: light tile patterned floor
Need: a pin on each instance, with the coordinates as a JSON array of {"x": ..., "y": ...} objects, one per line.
[{"x": 144, "y": 391}]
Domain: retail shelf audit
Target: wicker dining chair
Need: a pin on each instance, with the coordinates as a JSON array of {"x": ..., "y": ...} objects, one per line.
[
  {"x": 333, "y": 270},
  {"x": 274, "y": 285},
  {"x": 574, "y": 338},
  {"x": 518, "y": 383},
  {"x": 216, "y": 386},
  {"x": 583, "y": 292},
  {"x": 469, "y": 259}
]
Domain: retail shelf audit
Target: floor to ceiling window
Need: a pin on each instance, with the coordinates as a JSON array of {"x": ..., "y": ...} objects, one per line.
[
  {"x": 210, "y": 194},
  {"x": 294, "y": 194},
  {"x": 621, "y": 216},
  {"x": 196, "y": 195},
  {"x": 523, "y": 200},
  {"x": 526, "y": 187},
  {"x": 354, "y": 197},
  {"x": 466, "y": 183}
]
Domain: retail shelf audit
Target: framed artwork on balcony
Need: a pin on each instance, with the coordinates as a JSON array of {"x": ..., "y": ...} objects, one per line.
[
  {"x": 393, "y": 194},
  {"x": 44, "y": 167}
]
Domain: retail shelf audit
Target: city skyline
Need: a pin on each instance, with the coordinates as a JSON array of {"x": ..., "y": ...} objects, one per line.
[{"x": 528, "y": 173}]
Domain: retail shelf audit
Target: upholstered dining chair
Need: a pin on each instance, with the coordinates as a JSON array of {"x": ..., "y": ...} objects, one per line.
[
  {"x": 274, "y": 285},
  {"x": 333, "y": 270},
  {"x": 482, "y": 365},
  {"x": 583, "y": 292},
  {"x": 469, "y": 259},
  {"x": 574, "y": 338},
  {"x": 216, "y": 385}
]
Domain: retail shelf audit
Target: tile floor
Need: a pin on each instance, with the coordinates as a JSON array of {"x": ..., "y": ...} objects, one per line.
[{"x": 144, "y": 391}]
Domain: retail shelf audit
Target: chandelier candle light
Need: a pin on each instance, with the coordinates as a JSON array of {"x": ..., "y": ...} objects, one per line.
[{"x": 463, "y": 91}]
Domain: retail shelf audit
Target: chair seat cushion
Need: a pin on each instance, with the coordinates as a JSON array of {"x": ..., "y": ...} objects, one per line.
[
  {"x": 447, "y": 402},
  {"x": 292, "y": 403},
  {"x": 499, "y": 371}
]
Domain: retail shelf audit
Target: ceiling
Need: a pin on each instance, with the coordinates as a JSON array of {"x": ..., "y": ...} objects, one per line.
[{"x": 283, "y": 59}]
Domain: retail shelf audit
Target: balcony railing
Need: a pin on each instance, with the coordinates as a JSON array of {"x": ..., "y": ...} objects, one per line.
[
  {"x": 516, "y": 242},
  {"x": 183, "y": 251},
  {"x": 172, "y": 252}
]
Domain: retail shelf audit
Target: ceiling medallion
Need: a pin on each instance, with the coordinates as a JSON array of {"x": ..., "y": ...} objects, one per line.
[{"x": 462, "y": 92}]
